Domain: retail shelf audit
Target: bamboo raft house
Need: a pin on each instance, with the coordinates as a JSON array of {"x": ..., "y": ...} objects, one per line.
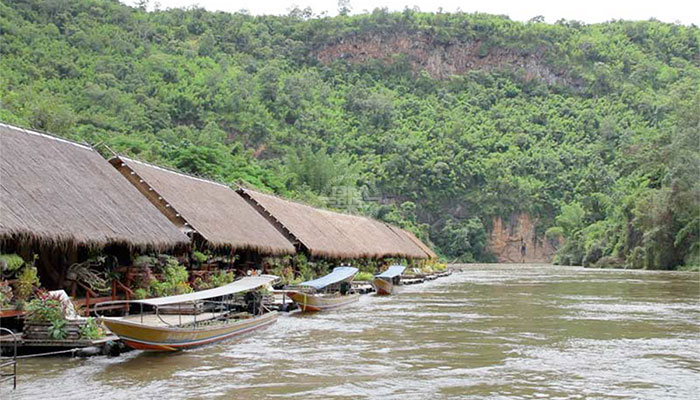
[
  {"x": 61, "y": 200},
  {"x": 431, "y": 254},
  {"x": 328, "y": 234},
  {"x": 61, "y": 203},
  {"x": 211, "y": 213}
]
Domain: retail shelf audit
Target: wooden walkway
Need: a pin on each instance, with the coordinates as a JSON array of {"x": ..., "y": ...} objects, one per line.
[{"x": 7, "y": 341}]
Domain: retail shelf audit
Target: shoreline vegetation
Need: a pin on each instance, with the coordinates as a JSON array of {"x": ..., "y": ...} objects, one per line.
[
  {"x": 433, "y": 122},
  {"x": 160, "y": 275},
  {"x": 459, "y": 266}
]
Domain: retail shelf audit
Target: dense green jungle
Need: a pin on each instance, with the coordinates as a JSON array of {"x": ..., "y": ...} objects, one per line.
[{"x": 437, "y": 122}]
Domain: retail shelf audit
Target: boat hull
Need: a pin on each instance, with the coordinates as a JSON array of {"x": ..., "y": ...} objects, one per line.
[
  {"x": 155, "y": 338},
  {"x": 383, "y": 287},
  {"x": 313, "y": 302}
]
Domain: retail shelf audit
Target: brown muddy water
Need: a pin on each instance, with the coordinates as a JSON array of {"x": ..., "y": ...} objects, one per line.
[{"x": 489, "y": 331}]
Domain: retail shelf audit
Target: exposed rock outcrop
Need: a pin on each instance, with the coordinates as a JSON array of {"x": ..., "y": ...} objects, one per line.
[
  {"x": 438, "y": 59},
  {"x": 515, "y": 240}
]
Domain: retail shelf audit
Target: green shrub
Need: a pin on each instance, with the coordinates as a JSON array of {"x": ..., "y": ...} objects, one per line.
[
  {"x": 91, "y": 330},
  {"x": 27, "y": 282},
  {"x": 145, "y": 261},
  {"x": 174, "y": 280},
  {"x": 10, "y": 262},
  {"x": 199, "y": 257},
  {"x": 221, "y": 278},
  {"x": 636, "y": 258},
  {"x": 690, "y": 267},
  {"x": 608, "y": 262},
  {"x": 45, "y": 309},
  {"x": 58, "y": 329},
  {"x": 438, "y": 267},
  {"x": 140, "y": 294},
  {"x": 364, "y": 276}
]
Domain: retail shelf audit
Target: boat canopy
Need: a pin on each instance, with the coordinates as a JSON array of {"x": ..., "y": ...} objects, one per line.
[
  {"x": 392, "y": 272},
  {"x": 241, "y": 285},
  {"x": 339, "y": 274}
]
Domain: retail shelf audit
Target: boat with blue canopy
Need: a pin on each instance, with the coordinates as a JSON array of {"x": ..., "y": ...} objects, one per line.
[
  {"x": 326, "y": 293},
  {"x": 384, "y": 283}
]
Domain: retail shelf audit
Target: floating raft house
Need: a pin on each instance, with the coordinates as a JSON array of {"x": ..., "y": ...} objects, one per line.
[
  {"x": 62, "y": 194},
  {"x": 212, "y": 213},
  {"x": 324, "y": 233},
  {"x": 413, "y": 238}
]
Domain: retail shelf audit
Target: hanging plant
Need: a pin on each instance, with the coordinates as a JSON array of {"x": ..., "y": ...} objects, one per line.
[{"x": 87, "y": 273}]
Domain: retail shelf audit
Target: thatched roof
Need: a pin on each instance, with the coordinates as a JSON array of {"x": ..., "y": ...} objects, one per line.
[
  {"x": 431, "y": 254},
  {"x": 331, "y": 234},
  {"x": 212, "y": 210},
  {"x": 64, "y": 193}
]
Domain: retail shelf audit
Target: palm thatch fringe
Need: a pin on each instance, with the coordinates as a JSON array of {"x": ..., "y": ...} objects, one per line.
[{"x": 57, "y": 192}]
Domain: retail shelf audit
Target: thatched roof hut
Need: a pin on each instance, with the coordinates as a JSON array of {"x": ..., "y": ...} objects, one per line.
[
  {"x": 431, "y": 254},
  {"x": 209, "y": 210},
  {"x": 330, "y": 234},
  {"x": 57, "y": 192}
]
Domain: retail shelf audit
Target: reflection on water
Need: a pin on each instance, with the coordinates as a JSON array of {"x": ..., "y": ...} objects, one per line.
[{"x": 490, "y": 331}]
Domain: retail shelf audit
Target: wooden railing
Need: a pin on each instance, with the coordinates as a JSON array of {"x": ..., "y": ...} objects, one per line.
[{"x": 92, "y": 298}]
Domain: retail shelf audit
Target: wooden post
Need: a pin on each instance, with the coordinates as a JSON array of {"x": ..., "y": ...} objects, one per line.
[{"x": 87, "y": 303}]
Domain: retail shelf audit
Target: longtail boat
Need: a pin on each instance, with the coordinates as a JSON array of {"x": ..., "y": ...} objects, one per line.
[
  {"x": 326, "y": 293},
  {"x": 223, "y": 312},
  {"x": 384, "y": 282}
]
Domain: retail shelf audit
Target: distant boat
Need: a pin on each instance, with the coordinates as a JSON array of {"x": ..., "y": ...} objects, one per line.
[
  {"x": 220, "y": 313},
  {"x": 384, "y": 282},
  {"x": 326, "y": 293}
]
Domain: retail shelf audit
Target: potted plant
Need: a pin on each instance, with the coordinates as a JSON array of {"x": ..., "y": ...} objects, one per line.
[{"x": 46, "y": 320}]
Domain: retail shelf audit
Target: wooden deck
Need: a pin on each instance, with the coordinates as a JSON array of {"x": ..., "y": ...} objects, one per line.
[{"x": 7, "y": 341}]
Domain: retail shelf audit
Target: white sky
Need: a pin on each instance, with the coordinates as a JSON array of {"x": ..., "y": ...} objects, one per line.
[{"x": 590, "y": 11}]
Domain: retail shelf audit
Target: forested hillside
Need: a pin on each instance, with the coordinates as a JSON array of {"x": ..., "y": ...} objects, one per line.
[{"x": 436, "y": 122}]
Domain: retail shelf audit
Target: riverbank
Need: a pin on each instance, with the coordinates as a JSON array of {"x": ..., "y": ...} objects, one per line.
[{"x": 691, "y": 268}]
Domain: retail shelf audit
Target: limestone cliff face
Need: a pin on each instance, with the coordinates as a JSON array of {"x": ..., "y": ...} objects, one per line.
[
  {"x": 440, "y": 60},
  {"x": 515, "y": 240}
]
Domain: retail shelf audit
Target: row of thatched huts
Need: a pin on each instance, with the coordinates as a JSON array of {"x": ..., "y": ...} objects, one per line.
[{"x": 63, "y": 200}]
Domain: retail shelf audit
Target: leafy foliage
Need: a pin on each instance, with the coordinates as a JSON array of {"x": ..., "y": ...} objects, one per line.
[
  {"x": 27, "y": 283},
  {"x": 46, "y": 309},
  {"x": 174, "y": 280},
  {"x": 91, "y": 330},
  {"x": 530, "y": 117},
  {"x": 9, "y": 263},
  {"x": 6, "y": 294},
  {"x": 364, "y": 277}
]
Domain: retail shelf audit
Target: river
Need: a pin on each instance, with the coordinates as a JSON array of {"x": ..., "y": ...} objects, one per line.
[{"x": 488, "y": 331}]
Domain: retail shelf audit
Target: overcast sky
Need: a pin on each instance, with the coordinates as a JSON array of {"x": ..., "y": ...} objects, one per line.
[{"x": 590, "y": 11}]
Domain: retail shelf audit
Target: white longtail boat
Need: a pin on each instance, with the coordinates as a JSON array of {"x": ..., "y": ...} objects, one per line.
[
  {"x": 384, "y": 283},
  {"x": 220, "y": 313},
  {"x": 326, "y": 293}
]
